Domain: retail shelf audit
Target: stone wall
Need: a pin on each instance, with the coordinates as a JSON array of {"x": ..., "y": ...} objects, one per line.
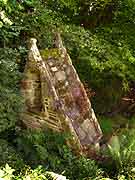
[{"x": 55, "y": 98}]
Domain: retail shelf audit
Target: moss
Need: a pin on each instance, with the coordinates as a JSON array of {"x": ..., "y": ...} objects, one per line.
[
  {"x": 114, "y": 124},
  {"x": 50, "y": 53},
  {"x": 106, "y": 125}
]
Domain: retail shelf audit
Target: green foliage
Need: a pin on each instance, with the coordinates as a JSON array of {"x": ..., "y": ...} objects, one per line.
[
  {"x": 49, "y": 149},
  {"x": 87, "y": 13},
  {"x": 7, "y": 173},
  {"x": 10, "y": 101},
  {"x": 40, "y": 148},
  {"x": 122, "y": 152},
  {"x": 131, "y": 122},
  {"x": 9, "y": 155},
  {"x": 99, "y": 36},
  {"x": 103, "y": 57},
  {"x": 106, "y": 125},
  {"x": 83, "y": 168},
  {"x": 102, "y": 60}
]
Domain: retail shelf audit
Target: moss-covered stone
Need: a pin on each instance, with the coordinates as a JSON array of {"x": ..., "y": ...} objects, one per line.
[
  {"x": 50, "y": 53},
  {"x": 63, "y": 98}
]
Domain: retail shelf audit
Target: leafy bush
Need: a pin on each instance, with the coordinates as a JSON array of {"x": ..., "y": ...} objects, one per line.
[
  {"x": 83, "y": 168},
  {"x": 10, "y": 100},
  {"x": 49, "y": 149},
  {"x": 7, "y": 173},
  {"x": 9, "y": 155},
  {"x": 103, "y": 56},
  {"x": 85, "y": 13},
  {"x": 102, "y": 59}
]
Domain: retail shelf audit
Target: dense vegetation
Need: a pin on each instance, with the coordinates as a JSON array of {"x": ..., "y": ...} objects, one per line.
[{"x": 99, "y": 36}]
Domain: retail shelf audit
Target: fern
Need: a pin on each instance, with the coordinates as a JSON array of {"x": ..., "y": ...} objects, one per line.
[{"x": 123, "y": 154}]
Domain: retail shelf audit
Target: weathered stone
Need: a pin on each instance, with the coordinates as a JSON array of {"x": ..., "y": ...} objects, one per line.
[
  {"x": 81, "y": 133},
  {"x": 54, "y": 69},
  {"x": 60, "y": 76},
  {"x": 52, "y": 89},
  {"x": 66, "y": 83},
  {"x": 50, "y": 63}
]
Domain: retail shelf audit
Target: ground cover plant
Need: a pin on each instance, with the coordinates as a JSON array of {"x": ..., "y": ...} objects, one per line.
[{"x": 99, "y": 36}]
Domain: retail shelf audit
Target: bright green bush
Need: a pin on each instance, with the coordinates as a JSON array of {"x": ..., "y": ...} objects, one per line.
[{"x": 7, "y": 173}]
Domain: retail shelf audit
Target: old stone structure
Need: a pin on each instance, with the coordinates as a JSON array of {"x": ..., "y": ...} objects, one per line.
[{"x": 55, "y": 98}]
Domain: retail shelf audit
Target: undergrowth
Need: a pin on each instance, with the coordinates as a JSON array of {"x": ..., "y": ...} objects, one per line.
[
  {"x": 102, "y": 51},
  {"x": 49, "y": 149}
]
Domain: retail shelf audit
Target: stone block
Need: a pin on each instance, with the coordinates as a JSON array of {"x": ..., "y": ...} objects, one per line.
[{"x": 55, "y": 87}]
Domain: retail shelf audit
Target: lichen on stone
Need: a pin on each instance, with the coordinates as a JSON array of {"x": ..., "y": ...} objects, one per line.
[
  {"x": 56, "y": 98},
  {"x": 50, "y": 53}
]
